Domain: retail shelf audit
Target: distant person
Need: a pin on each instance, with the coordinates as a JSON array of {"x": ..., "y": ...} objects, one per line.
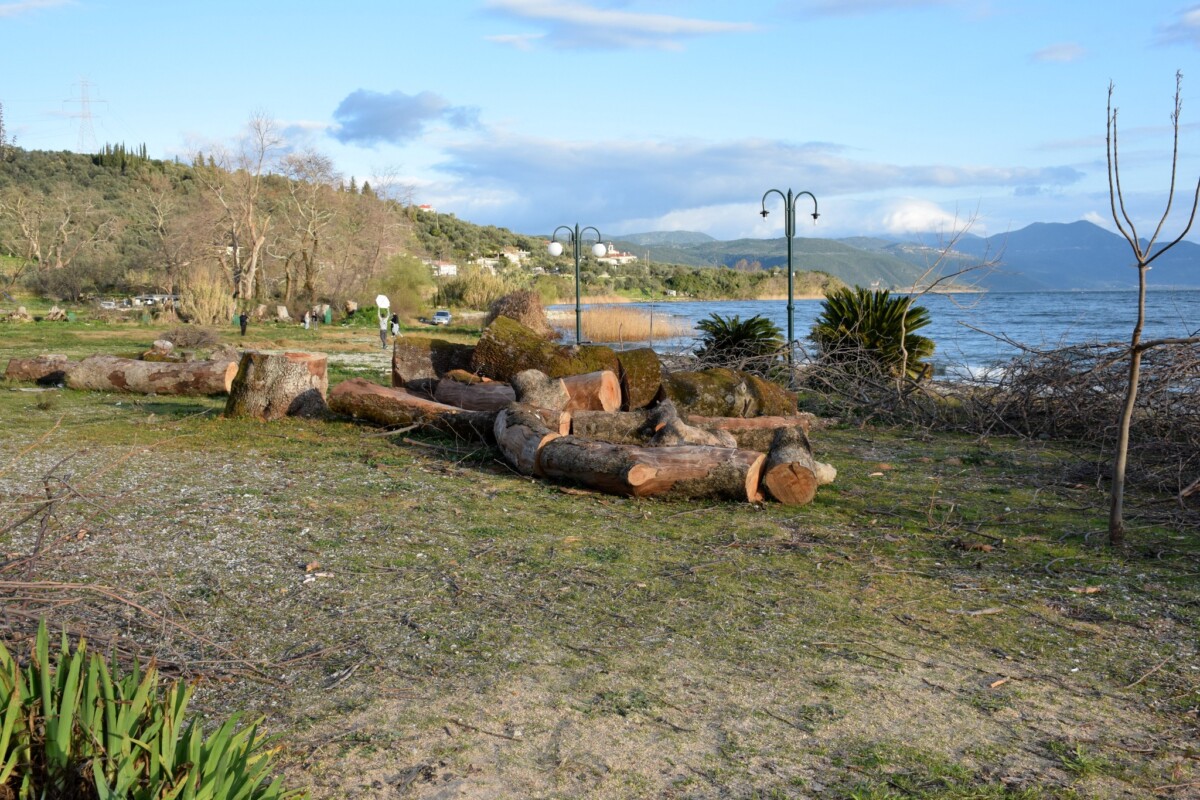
[
  {"x": 307, "y": 317},
  {"x": 395, "y": 325},
  {"x": 316, "y": 320},
  {"x": 243, "y": 321},
  {"x": 383, "y": 326}
]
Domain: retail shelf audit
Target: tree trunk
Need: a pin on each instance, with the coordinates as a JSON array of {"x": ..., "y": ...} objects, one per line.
[
  {"x": 673, "y": 472},
  {"x": 420, "y": 357},
  {"x": 44, "y": 370},
  {"x": 720, "y": 392},
  {"x": 676, "y": 432},
  {"x": 365, "y": 400},
  {"x": 113, "y": 374},
  {"x": 791, "y": 472},
  {"x": 508, "y": 347},
  {"x": 593, "y": 391},
  {"x": 753, "y": 433},
  {"x": 490, "y": 396},
  {"x": 521, "y": 434},
  {"x": 534, "y": 388},
  {"x": 275, "y": 385},
  {"x": 641, "y": 378}
]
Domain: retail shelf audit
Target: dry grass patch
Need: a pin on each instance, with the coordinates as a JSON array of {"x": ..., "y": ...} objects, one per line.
[{"x": 620, "y": 324}]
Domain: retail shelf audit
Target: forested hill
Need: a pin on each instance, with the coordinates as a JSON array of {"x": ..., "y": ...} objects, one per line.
[{"x": 294, "y": 231}]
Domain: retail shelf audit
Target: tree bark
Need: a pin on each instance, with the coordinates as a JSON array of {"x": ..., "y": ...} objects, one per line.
[
  {"x": 671, "y": 472},
  {"x": 271, "y": 386},
  {"x": 489, "y": 396},
  {"x": 593, "y": 391},
  {"x": 534, "y": 388},
  {"x": 720, "y": 392},
  {"x": 44, "y": 370},
  {"x": 362, "y": 399},
  {"x": 419, "y": 357},
  {"x": 790, "y": 475},
  {"x": 641, "y": 378},
  {"x": 113, "y": 374},
  {"x": 508, "y": 347},
  {"x": 752, "y": 433},
  {"x": 676, "y": 432},
  {"x": 521, "y": 434}
]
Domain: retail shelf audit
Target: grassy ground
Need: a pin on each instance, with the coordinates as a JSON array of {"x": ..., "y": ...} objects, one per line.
[{"x": 415, "y": 620}]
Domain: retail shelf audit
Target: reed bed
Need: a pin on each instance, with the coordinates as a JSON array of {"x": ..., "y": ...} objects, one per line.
[{"x": 622, "y": 324}]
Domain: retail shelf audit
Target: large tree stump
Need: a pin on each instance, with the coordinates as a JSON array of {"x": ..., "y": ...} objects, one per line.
[
  {"x": 641, "y": 378},
  {"x": 44, "y": 370},
  {"x": 275, "y": 385},
  {"x": 363, "y": 399},
  {"x": 791, "y": 472},
  {"x": 720, "y": 392},
  {"x": 483, "y": 396},
  {"x": 508, "y": 347},
  {"x": 673, "y": 472},
  {"x": 420, "y": 358},
  {"x": 521, "y": 434},
  {"x": 113, "y": 374}
]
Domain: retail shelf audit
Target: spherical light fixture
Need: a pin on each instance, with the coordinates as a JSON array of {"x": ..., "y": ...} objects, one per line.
[
  {"x": 599, "y": 250},
  {"x": 555, "y": 249}
]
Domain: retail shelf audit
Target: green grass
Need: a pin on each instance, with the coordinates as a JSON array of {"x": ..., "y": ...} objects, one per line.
[{"x": 921, "y": 630}]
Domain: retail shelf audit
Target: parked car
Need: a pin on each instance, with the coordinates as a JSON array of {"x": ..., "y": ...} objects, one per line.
[
  {"x": 109, "y": 305},
  {"x": 441, "y": 317}
]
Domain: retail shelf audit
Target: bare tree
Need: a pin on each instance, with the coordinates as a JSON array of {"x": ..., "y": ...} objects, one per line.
[
  {"x": 311, "y": 178},
  {"x": 55, "y": 230},
  {"x": 237, "y": 182},
  {"x": 1144, "y": 255}
]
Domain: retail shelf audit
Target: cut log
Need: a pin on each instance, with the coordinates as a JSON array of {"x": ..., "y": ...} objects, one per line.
[
  {"x": 521, "y": 434},
  {"x": 489, "y": 396},
  {"x": 676, "y": 432},
  {"x": 420, "y": 357},
  {"x": 271, "y": 386},
  {"x": 507, "y": 347},
  {"x": 621, "y": 427},
  {"x": 362, "y": 399},
  {"x": 752, "y": 433},
  {"x": 113, "y": 374},
  {"x": 672, "y": 472},
  {"x": 720, "y": 392},
  {"x": 534, "y": 388},
  {"x": 790, "y": 475},
  {"x": 641, "y": 378},
  {"x": 593, "y": 391},
  {"x": 44, "y": 370}
]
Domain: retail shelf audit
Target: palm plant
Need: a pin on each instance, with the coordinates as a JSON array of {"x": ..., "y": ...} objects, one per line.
[
  {"x": 865, "y": 330},
  {"x": 734, "y": 342}
]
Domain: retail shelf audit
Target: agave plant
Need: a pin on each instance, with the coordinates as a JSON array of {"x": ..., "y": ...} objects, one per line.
[
  {"x": 734, "y": 342},
  {"x": 869, "y": 330}
]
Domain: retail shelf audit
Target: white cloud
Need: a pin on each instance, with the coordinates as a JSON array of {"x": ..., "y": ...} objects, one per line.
[
  {"x": 26, "y": 6},
  {"x": 843, "y": 8},
  {"x": 910, "y": 215},
  {"x": 1185, "y": 29},
  {"x": 519, "y": 41},
  {"x": 1061, "y": 53},
  {"x": 577, "y": 24}
]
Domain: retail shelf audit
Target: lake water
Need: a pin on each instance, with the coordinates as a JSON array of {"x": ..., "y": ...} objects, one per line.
[{"x": 1043, "y": 320}]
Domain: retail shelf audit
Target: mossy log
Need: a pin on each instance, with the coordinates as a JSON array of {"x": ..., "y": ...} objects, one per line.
[
  {"x": 671, "y": 472},
  {"x": 641, "y": 378},
  {"x": 45, "y": 370},
  {"x": 636, "y": 427},
  {"x": 421, "y": 358},
  {"x": 790, "y": 474},
  {"x": 720, "y": 392},
  {"x": 363, "y": 399},
  {"x": 114, "y": 374},
  {"x": 485, "y": 396},
  {"x": 507, "y": 347},
  {"x": 271, "y": 386}
]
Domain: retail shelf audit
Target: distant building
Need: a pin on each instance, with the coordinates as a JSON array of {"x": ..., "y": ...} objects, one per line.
[
  {"x": 444, "y": 269},
  {"x": 428, "y": 209},
  {"x": 614, "y": 256}
]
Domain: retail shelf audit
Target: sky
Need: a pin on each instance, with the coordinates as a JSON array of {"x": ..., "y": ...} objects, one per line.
[{"x": 909, "y": 118}]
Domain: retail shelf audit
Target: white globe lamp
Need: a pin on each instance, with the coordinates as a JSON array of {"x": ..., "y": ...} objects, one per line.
[
  {"x": 599, "y": 250},
  {"x": 555, "y": 249}
]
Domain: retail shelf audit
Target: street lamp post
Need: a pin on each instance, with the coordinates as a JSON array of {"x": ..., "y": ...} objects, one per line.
[
  {"x": 575, "y": 240},
  {"x": 789, "y": 230}
]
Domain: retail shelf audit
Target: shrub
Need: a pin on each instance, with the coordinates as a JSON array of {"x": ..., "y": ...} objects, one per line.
[
  {"x": 192, "y": 336},
  {"x": 753, "y": 345},
  {"x": 868, "y": 331},
  {"x": 205, "y": 297},
  {"x": 76, "y": 728},
  {"x": 524, "y": 306}
]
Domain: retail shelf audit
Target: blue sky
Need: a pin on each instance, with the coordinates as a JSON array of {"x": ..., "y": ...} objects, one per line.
[{"x": 901, "y": 116}]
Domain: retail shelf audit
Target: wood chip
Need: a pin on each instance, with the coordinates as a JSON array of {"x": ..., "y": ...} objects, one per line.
[
  {"x": 978, "y": 613},
  {"x": 997, "y": 684},
  {"x": 1086, "y": 589}
]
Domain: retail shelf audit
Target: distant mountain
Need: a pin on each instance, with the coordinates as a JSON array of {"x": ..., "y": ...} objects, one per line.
[
  {"x": 666, "y": 238},
  {"x": 1041, "y": 257},
  {"x": 1076, "y": 255}
]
